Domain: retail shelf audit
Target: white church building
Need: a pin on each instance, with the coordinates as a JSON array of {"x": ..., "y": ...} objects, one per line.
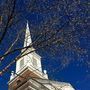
[{"x": 29, "y": 74}]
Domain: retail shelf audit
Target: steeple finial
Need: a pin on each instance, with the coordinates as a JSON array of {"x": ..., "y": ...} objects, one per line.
[
  {"x": 27, "y": 27},
  {"x": 28, "y": 39}
]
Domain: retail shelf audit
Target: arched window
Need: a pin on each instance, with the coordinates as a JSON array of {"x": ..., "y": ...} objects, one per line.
[
  {"x": 21, "y": 62},
  {"x": 34, "y": 62}
]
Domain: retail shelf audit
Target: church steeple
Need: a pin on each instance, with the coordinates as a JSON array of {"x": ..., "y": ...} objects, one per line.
[
  {"x": 28, "y": 39},
  {"x": 28, "y": 66},
  {"x": 31, "y": 60},
  {"x": 29, "y": 75}
]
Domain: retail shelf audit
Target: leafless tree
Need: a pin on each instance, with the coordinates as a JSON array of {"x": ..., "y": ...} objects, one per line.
[{"x": 57, "y": 27}]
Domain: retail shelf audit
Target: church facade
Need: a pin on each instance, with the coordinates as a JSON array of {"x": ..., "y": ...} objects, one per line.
[{"x": 29, "y": 74}]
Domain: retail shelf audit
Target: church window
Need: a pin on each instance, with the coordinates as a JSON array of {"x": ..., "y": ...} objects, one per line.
[
  {"x": 21, "y": 63},
  {"x": 34, "y": 62}
]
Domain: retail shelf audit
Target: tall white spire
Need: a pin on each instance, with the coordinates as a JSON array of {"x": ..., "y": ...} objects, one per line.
[
  {"x": 31, "y": 61},
  {"x": 28, "y": 39}
]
